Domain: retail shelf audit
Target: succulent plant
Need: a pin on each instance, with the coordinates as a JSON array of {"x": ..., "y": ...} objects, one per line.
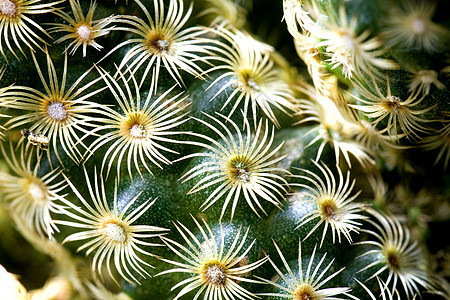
[{"x": 224, "y": 149}]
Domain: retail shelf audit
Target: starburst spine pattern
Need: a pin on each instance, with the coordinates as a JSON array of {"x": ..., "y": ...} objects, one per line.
[
  {"x": 357, "y": 54},
  {"x": 379, "y": 106},
  {"x": 82, "y": 30},
  {"x": 163, "y": 43},
  {"x": 422, "y": 80},
  {"x": 410, "y": 25},
  {"x": 335, "y": 207},
  {"x": 109, "y": 234},
  {"x": 55, "y": 113},
  {"x": 372, "y": 138},
  {"x": 402, "y": 257},
  {"x": 215, "y": 270},
  {"x": 253, "y": 75},
  {"x": 30, "y": 197},
  {"x": 337, "y": 127},
  {"x": 305, "y": 286},
  {"x": 138, "y": 128},
  {"x": 15, "y": 23},
  {"x": 241, "y": 164}
]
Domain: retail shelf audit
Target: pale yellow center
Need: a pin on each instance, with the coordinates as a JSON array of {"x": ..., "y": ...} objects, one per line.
[
  {"x": 252, "y": 84},
  {"x": 162, "y": 45},
  {"x": 114, "y": 232},
  {"x": 138, "y": 131},
  {"x": 158, "y": 44},
  {"x": 348, "y": 41},
  {"x": 419, "y": 26},
  {"x": 239, "y": 171},
  {"x": 57, "y": 111},
  {"x": 329, "y": 209},
  {"x": 37, "y": 192},
  {"x": 393, "y": 104},
  {"x": 427, "y": 76},
  {"x": 8, "y": 8},
  {"x": 393, "y": 257},
  {"x": 84, "y": 32},
  {"x": 305, "y": 292},
  {"x": 136, "y": 126},
  {"x": 248, "y": 81},
  {"x": 214, "y": 274}
]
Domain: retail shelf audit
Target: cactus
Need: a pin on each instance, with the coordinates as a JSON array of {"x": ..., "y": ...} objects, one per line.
[{"x": 224, "y": 149}]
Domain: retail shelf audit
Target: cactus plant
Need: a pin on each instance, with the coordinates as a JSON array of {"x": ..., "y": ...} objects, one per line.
[{"x": 224, "y": 149}]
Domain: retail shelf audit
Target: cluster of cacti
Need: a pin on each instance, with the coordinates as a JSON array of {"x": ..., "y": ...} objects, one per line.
[{"x": 224, "y": 149}]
